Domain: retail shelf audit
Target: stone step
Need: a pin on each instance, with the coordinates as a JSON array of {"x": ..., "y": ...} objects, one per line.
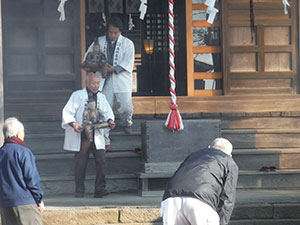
[
  {"x": 267, "y": 213},
  {"x": 125, "y": 162},
  {"x": 59, "y": 185},
  {"x": 281, "y": 158}
]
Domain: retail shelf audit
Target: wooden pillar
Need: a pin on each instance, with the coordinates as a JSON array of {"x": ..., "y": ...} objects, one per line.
[
  {"x": 189, "y": 47},
  {"x": 1, "y": 80},
  {"x": 82, "y": 34}
]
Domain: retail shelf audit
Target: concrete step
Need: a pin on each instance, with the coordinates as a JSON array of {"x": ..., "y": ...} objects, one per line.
[
  {"x": 254, "y": 159},
  {"x": 125, "y": 162},
  {"x": 270, "y": 207}
]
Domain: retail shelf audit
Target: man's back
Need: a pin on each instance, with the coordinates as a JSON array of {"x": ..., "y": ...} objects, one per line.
[
  {"x": 17, "y": 174},
  {"x": 203, "y": 175}
]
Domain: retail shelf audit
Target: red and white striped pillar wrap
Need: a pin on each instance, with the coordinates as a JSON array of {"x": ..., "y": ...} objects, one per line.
[{"x": 174, "y": 120}]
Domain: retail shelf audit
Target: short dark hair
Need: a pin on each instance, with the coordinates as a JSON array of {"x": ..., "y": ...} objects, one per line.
[{"x": 116, "y": 22}]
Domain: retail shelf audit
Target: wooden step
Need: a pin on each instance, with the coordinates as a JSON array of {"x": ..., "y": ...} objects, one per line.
[
  {"x": 63, "y": 164},
  {"x": 254, "y": 159},
  {"x": 46, "y": 143},
  {"x": 288, "y": 178},
  {"x": 263, "y": 138},
  {"x": 65, "y": 184},
  {"x": 261, "y": 123}
]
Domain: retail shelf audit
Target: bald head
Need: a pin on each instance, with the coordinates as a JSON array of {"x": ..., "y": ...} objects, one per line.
[{"x": 222, "y": 144}]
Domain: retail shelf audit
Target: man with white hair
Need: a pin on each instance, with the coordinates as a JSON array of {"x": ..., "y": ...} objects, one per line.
[
  {"x": 202, "y": 190},
  {"x": 20, "y": 192}
]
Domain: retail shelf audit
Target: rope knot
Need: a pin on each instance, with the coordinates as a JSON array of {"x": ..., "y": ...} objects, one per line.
[{"x": 173, "y": 106}]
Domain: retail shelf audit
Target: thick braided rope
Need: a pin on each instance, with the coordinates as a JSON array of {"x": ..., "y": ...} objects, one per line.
[
  {"x": 171, "y": 53},
  {"x": 174, "y": 121}
]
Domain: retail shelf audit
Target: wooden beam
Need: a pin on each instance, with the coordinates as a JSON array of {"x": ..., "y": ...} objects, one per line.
[
  {"x": 204, "y": 75},
  {"x": 204, "y": 23},
  {"x": 234, "y": 104},
  {"x": 206, "y": 49}
]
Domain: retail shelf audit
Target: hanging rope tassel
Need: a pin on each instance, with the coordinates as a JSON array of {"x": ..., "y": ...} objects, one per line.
[{"x": 174, "y": 120}]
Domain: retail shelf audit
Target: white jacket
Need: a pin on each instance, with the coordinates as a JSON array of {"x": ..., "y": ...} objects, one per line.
[
  {"x": 73, "y": 112},
  {"x": 124, "y": 57}
]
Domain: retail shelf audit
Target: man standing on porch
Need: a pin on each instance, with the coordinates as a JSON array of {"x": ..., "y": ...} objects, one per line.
[
  {"x": 117, "y": 84},
  {"x": 77, "y": 141},
  {"x": 202, "y": 190}
]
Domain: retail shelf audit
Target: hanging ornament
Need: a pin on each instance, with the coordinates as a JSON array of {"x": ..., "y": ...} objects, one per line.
[
  {"x": 61, "y": 9},
  {"x": 252, "y": 24},
  {"x": 285, "y": 4},
  {"x": 143, "y": 9},
  {"x": 130, "y": 23},
  {"x": 211, "y": 10},
  {"x": 174, "y": 120}
]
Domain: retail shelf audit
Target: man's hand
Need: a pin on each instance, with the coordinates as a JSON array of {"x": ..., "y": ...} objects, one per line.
[
  {"x": 41, "y": 207},
  {"x": 112, "y": 124},
  {"x": 77, "y": 127},
  {"x": 110, "y": 68}
]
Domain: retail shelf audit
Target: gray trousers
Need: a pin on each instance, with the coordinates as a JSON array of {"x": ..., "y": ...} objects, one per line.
[
  {"x": 21, "y": 215},
  {"x": 124, "y": 101}
]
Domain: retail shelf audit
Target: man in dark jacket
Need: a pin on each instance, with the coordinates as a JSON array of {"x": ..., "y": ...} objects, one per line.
[
  {"x": 20, "y": 192},
  {"x": 202, "y": 190}
]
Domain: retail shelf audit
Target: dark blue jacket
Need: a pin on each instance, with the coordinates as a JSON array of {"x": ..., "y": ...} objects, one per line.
[
  {"x": 19, "y": 177},
  {"x": 210, "y": 176}
]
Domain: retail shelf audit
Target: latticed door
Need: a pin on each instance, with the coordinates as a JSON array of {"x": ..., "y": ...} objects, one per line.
[{"x": 203, "y": 50}]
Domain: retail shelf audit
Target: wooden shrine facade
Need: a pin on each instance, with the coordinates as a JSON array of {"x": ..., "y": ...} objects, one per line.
[{"x": 218, "y": 67}]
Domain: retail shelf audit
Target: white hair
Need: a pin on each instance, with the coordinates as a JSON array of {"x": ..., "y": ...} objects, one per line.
[
  {"x": 12, "y": 126},
  {"x": 89, "y": 75},
  {"x": 223, "y": 145}
]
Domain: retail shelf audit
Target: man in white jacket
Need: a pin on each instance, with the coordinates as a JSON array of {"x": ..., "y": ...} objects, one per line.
[
  {"x": 76, "y": 140},
  {"x": 117, "y": 84}
]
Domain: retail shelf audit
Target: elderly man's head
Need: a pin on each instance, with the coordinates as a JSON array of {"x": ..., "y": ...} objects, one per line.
[
  {"x": 13, "y": 128},
  {"x": 92, "y": 82},
  {"x": 222, "y": 144}
]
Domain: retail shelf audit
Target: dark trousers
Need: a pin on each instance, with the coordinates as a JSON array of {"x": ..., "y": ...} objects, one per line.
[
  {"x": 21, "y": 215},
  {"x": 81, "y": 161}
]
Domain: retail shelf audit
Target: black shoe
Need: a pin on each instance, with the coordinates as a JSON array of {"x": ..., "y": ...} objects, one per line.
[
  {"x": 79, "y": 195},
  {"x": 101, "y": 194}
]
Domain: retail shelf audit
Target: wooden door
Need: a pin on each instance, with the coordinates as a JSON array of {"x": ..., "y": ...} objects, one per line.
[
  {"x": 267, "y": 64},
  {"x": 41, "y": 56}
]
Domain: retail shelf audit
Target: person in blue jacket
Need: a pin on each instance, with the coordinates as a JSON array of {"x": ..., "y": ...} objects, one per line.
[{"x": 21, "y": 197}]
